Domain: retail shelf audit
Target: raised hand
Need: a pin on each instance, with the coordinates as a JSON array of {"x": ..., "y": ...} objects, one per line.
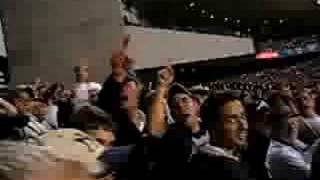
[
  {"x": 293, "y": 130},
  {"x": 166, "y": 76},
  {"x": 125, "y": 42}
]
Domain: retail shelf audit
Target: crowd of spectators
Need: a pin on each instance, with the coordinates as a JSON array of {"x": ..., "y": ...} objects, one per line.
[
  {"x": 292, "y": 46},
  {"x": 262, "y": 128}
]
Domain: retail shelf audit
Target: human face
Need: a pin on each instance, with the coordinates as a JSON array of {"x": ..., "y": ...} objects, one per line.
[
  {"x": 306, "y": 100},
  {"x": 183, "y": 105},
  {"x": 235, "y": 125},
  {"x": 40, "y": 109},
  {"x": 104, "y": 137},
  {"x": 24, "y": 96},
  {"x": 82, "y": 75},
  {"x": 285, "y": 90}
]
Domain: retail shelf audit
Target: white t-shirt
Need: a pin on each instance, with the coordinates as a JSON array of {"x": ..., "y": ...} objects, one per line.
[
  {"x": 314, "y": 122},
  {"x": 83, "y": 90},
  {"x": 285, "y": 162}
]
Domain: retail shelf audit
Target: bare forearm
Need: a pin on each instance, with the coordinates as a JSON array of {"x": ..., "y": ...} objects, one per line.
[
  {"x": 157, "y": 125},
  {"x": 11, "y": 110}
]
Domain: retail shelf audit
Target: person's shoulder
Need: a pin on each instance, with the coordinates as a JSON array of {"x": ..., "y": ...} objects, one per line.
[
  {"x": 224, "y": 167},
  {"x": 284, "y": 152},
  {"x": 94, "y": 84}
]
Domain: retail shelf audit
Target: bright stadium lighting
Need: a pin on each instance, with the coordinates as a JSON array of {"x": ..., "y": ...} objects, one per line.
[
  {"x": 192, "y": 4},
  {"x": 316, "y": 2},
  {"x": 281, "y": 21}
]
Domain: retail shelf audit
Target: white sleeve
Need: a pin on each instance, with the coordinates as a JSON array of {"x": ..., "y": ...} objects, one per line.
[
  {"x": 52, "y": 116},
  {"x": 295, "y": 165}
]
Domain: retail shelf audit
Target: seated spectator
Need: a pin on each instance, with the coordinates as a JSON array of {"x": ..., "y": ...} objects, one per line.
[
  {"x": 75, "y": 145},
  {"x": 96, "y": 123}
]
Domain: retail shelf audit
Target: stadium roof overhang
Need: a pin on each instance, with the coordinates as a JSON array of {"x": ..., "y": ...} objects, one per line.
[{"x": 261, "y": 18}]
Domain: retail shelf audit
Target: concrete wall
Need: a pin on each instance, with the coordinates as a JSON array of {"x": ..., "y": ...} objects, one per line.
[
  {"x": 152, "y": 47},
  {"x": 3, "y": 51},
  {"x": 48, "y": 37}
]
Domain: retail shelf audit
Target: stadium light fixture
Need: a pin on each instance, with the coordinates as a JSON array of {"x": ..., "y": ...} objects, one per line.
[
  {"x": 316, "y": 2},
  {"x": 192, "y": 4}
]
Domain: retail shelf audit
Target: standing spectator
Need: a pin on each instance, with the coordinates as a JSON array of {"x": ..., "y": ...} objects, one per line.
[
  {"x": 285, "y": 158},
  {"x": 225, "y": 119},
  {"x": 83, "y": 87},
  {"x": 119, "y": 97},
  {"x": 310, "y": 129}
]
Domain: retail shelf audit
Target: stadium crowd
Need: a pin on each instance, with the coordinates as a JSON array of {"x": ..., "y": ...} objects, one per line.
[{"x": 251, "y": 128}]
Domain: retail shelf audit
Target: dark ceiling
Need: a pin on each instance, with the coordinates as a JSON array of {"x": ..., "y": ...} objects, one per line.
[{"x": 259, "y": 18}]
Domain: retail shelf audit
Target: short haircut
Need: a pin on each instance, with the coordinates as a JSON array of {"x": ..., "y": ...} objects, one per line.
[
  {"x": 91, "y": 118},
  {"x": 211, "y": 109},
  {"x": 27, "y": 90},
  {"x": 77, "y": 69}
]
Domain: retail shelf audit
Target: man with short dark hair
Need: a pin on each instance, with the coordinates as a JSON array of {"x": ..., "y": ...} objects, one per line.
[
  {"x": 224, "y": 118},
  {"x": 96, "y": 123}
]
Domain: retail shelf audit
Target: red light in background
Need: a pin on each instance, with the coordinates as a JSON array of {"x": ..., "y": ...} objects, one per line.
[{"x": 267, "y": 55}]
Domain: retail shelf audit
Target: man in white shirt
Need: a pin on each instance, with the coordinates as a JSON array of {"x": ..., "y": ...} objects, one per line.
[{"x": 83, "y": 88}]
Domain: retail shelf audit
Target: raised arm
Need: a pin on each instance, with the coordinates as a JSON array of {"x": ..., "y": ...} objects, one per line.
[
  {"x": 10, "y": 109},
  {"x": 158, "y": 125}
]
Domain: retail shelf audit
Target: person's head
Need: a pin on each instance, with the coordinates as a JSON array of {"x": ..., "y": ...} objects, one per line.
[
  {"x": 39, "y": 108},
  {"x": 21, "y": 161},
  {"x": 56, "y": 88},
  {"x": 96, "y": 123},
  {"x": 225, "y": 118},
  {"x": 283, "y": 111},
  {"x": 317, "y": 87},
  {"x": 25, "y": 94},
  {"x": 283, "y": 87},
  {"x": 54, "y": 92},
  {"x": 181, "y": 102},
  {"x": 201, "y": 93},
  {"x": 306, "y": 101},
  {"x": 81, "y": 73},
  {"x": 41, "y": 91}
]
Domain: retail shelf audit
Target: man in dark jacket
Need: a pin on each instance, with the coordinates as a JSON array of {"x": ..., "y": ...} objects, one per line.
[
  {"x": 223, "y": 116},
  {"x": 225, "y": 119},
  {"x": 119, "y": 98}
]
